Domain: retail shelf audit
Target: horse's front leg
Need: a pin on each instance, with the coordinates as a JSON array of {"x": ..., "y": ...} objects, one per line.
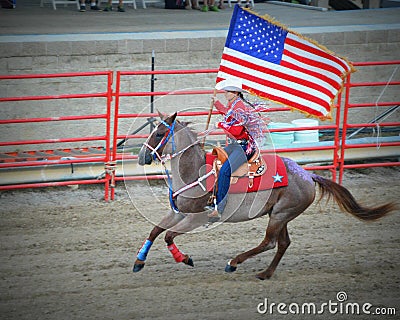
[
  {"x": 145, "y": 248},
  {"x": 167, "y": 222},
  {"x": 173, "y": 249},
  {"x": 189, "y": 223}
]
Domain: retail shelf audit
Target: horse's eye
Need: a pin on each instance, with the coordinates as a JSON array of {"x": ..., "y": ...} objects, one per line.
[{"x": 159, "y": 135}]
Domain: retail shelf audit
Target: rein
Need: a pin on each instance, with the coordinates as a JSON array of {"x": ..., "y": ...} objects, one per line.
[{"x": 166, "y": 157}]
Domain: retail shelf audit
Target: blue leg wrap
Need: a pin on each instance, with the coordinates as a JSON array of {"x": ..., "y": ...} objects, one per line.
[{"x": 144, "y": 250}]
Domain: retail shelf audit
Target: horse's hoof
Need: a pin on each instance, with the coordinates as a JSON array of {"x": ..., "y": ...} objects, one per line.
[
  {"x": 137, "y": 267},
  {"x": 263, "y": 276},
  {"x": 190, "y": 262},
  {"x": 260, "y": 277},
  {"x": 229, "y": 268}
]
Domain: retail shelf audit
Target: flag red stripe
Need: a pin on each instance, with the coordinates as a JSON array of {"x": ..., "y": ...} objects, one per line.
[
  {"x": 292, "y": 104},
  {"x": 317, "y": 52},
  {"x": 295, "y": 105},
  {"x": 312, "y": 62},
  {"x": 276, "y": 86},
  {"x": 278, "y": 74},
  {"x": 318, "y": 75}
]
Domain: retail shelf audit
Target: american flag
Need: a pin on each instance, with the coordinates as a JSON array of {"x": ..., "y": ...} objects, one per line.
[{"x": 277, "y": 64}]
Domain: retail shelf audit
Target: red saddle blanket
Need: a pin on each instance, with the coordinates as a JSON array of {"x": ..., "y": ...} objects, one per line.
[{"x": 275, "y": 176}]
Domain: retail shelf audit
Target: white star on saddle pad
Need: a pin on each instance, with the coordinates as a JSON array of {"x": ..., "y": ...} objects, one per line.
[{"x": 277, "y": 177}]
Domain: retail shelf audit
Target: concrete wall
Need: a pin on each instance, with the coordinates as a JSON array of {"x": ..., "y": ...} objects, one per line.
[
  {"x": 53, "y": 54},
  {"x": 177, "y": 50}
]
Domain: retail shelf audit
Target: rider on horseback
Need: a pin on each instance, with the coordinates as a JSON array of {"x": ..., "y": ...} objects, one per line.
[{"x": 243, "y": 125}]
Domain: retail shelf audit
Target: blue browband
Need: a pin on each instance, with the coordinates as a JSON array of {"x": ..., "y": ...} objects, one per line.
[
  {"x": 170, "y": 135},
  {"x": 166, "y": 139}
]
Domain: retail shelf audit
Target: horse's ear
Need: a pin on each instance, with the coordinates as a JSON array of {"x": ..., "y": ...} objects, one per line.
[
  {"x": 185, "y": 123},
  {"x": 171, "y": 118},
  {"x": 161, "y": 115}
]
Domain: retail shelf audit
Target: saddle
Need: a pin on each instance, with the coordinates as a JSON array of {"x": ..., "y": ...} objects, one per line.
[
  {"x": 254, "y": 167},
  {"x": 261, "y": 172}
]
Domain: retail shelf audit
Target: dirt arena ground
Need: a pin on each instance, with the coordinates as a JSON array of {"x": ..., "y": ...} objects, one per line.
[{"x": 67, "y": 254}]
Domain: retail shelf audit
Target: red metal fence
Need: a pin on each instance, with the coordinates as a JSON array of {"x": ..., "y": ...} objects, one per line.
[
  {"x": 378, "y": 105},
  {"x": 111, "y": 159},
  {"x": 46, "y": 158}
]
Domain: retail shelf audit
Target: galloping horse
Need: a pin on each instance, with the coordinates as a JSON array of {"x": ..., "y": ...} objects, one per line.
[{"x": 174, "y": 141}]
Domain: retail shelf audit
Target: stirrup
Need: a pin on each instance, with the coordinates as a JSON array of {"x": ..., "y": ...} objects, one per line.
[{"x": 214, "y": 216}]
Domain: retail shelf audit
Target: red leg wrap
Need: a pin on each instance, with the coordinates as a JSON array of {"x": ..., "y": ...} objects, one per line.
[{"x": 178, "y": 256}]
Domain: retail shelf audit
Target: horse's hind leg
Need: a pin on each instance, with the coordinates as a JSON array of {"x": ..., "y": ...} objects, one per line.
[
  {"x": 269, "y": 242},
  {"x": 168, "y": 221},
  {"x": 283, "y": 244}
]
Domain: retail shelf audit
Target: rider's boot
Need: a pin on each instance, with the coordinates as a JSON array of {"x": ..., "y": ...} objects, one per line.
[{"x": 214, "y": 215}]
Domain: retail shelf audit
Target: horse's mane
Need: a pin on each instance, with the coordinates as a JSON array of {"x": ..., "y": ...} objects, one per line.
[{"x": 187, "y": 124}]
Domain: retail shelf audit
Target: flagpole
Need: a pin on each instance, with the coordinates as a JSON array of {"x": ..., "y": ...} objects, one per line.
[{"x": 209, "y": 116}]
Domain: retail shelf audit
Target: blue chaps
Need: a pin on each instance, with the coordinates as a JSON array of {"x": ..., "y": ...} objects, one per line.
[{"x": 236, "y": 157}]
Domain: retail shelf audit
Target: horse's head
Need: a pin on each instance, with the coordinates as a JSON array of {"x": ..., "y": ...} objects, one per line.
[{"x": 156, "y": 142}]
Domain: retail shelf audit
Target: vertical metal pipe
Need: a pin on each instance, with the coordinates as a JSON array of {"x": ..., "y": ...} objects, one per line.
[
  {"x": 152, "y": 80},
  {"x": 336, "y": 138},
  {"x": 115, "y": 132},
  {"x": 108, "y": 135},
  {"x": 344, "y": 128}
]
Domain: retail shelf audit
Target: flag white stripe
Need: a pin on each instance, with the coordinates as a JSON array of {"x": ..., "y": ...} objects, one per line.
[
  {"x": 320, "y": 70},
  {"x": 280, "y": 81},
  {"x": 319, "y": 81},
  {"x": 279, "y": 93},
  {"x": 309, "y": 44},
  {"x": 303, "y": 53}
]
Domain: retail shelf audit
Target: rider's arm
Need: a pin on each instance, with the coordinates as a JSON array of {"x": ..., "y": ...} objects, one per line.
[
  {"x": 237, "y": 131},
  {"x": 220, "y": 107}
]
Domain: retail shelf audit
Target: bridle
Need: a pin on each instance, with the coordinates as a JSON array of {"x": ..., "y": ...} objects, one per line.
[
  {"x": 163, "y": 158},
  {"x": 168, "y": 135}
]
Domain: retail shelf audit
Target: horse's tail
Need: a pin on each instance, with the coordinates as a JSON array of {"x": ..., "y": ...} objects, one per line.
[{"x": 347, "y": 203}]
